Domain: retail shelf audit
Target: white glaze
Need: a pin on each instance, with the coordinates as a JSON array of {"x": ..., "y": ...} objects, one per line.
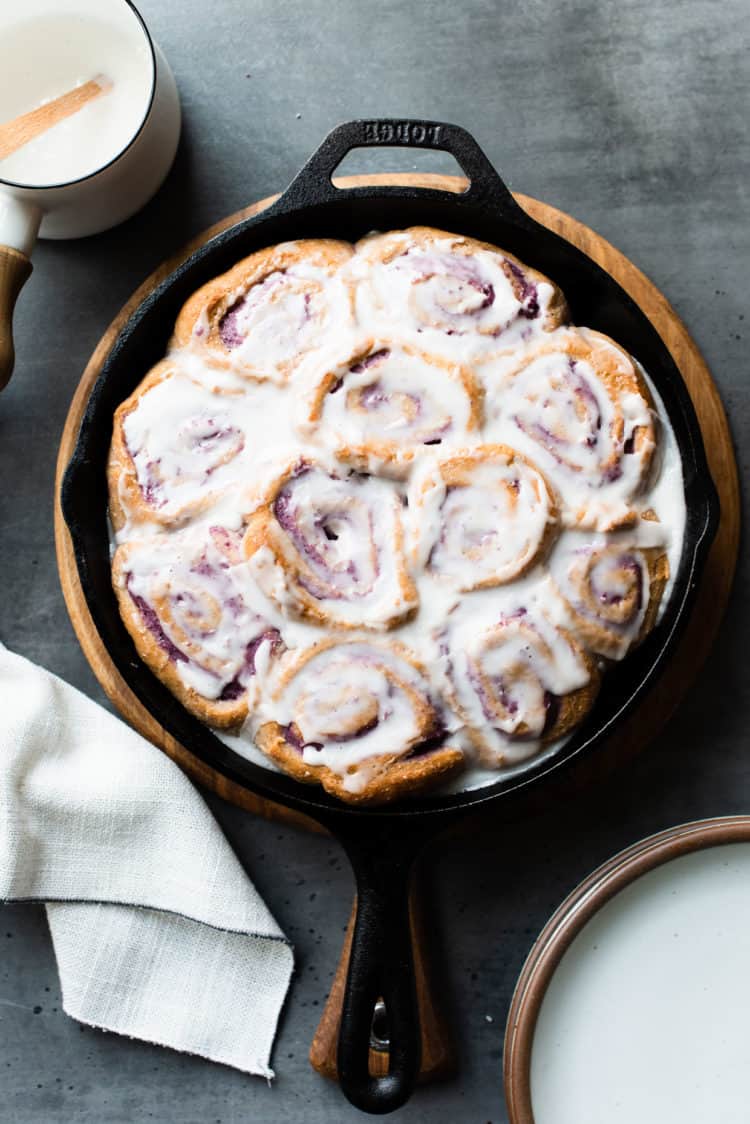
[
  {"x": 645, "y": 1018},
  {"x": 42, "y": 58},
  {"x": 571, "y": 406},
  {"x": 534, "y": 650},
  {"x": 185, "y": 445},
  {"x": 338, "y": 695},
  {"x": 206, "y": 600},
  {"x": 274, "y": 421},
  {"x": 284, "y": 316},
  {"x": 486, "y": 531},
  {"x": 396, "y": 400},
  {"x": 440, "y": 297},
  {"x": 355, "y": 565}
]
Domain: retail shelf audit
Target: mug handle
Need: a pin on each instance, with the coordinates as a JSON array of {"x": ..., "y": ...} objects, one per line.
[{"x": 19, "y": 223}]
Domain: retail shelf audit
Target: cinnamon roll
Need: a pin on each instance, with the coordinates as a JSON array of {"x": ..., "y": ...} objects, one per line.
[
  {"x": 611, "y": 591},
  {"x": 189, "y": 610},
  {"x": 175, "y": 447},
  {"x": 483, "y": 517},
  {"x": 357, "y": 718},
  {"x": 381, "y": 508},
  {"x": 457, "y": 293},
  {"x": 581, "y": 408},
  {"x": 520, "y": 684},
  {"x": 388, "y": 401},
  {"x": 328, "y": 546},
  {"x": 270, "y": 309}
]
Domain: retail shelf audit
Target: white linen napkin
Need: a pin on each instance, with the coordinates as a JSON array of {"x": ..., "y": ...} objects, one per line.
[{"x": 158, "y": 932}]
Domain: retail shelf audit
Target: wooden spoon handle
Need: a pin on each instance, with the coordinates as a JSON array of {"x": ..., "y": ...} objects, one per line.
[
  {"x": 15, "y": 268},
  {"x": 14, "y": 134},
  {"x": 438, "y": 1058}
]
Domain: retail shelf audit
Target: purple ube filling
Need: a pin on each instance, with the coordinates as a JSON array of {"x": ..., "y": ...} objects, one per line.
[
  {"x": 579, "y": 389},
  {"x": 370, "y": 361},
  {"x": 272, "y": 636},
  {"x": 432, "y": 742},
  {"x": 217, "y": 442},
  {"x": 152, "y": 485},
  {"x": 551, "y": 707},
  {"x": 153, "y": 624},
  {"x": 236, "y": 688},
  {"x": 488, "y": 292},
  {"x": 285, "y": 511},
  {"x": 229, "y": 329},
  {"x": 630, "y": 564},
  {"x": 374, "y": 395},
  {"x": 232, "y": 691},
  {"x": 551, "y": 701},
  {"x": 529, "y": 292},
  {"x": 463, "y": 271},
  {"x": 229, "y": 332}
]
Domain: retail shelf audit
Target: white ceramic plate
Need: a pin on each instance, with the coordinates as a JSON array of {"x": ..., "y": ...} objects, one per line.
[{"x": 634, "y": 1006}]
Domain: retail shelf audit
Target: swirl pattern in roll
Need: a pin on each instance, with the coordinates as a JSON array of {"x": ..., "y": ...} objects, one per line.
[
  {"x": 271, "y": 309},
  {"x": 456, "y": 292},
  {"x": 329, "y": 546},
  {"x": 612, "y": 590},
  {"x": 580, "y": 407},
  {"x": 358, "y": 718},
  {"x": 175, "y": 448},
  {"x": 384, "y": 514},
  {"x": 388, "y": 402},
  {"x": 190, "y": 611},
  {"x": 519, "y": 684},
  {"x": 483, "y": 518}
]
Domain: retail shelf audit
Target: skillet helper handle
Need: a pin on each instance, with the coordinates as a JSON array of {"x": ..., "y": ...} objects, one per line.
[
  {"x": 15, "y": 269},
  {"x": 437, "y": 1050},
  {"x": 313, "y": 183}
]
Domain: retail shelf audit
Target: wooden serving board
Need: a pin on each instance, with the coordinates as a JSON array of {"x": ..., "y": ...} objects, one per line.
[{"x": 636, "y": 732}]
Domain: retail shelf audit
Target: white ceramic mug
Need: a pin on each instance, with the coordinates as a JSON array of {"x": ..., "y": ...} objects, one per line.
[{"x": 96, "y": 198}]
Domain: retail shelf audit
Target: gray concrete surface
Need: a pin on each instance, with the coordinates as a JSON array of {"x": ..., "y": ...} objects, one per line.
[{"x": 631, "y": 116}]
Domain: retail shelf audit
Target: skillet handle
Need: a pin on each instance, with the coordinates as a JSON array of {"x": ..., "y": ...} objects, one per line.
[
  {"x": 381, "y": 966},
  {"x": 437, "y": 1046},
  {"x": 312, "y": 184}
]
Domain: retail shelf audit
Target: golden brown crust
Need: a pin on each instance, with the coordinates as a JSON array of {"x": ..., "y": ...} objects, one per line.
[
  {"x": 398, "y": 777},
  {"x": 658, "y": 576},
  {"x": 602, "y": 637},
  {"x": 573, "y": 707},
  {"x": 386, "y": 247},
  {"x": 264, "y": 531},
  {"x": 458, "y": 472},
  {"x": 380, "y": 777},
  {"x": 125, "y": 493},
  {"x": 222, "y": 714},
  {"x": 570, "y": 708},
  {"x": 616, "y": 370},
  {"x": 206, "y": 308}
]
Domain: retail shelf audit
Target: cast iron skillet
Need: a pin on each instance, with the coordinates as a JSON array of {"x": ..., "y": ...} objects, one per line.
[{"x": 382, "y": 842}]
